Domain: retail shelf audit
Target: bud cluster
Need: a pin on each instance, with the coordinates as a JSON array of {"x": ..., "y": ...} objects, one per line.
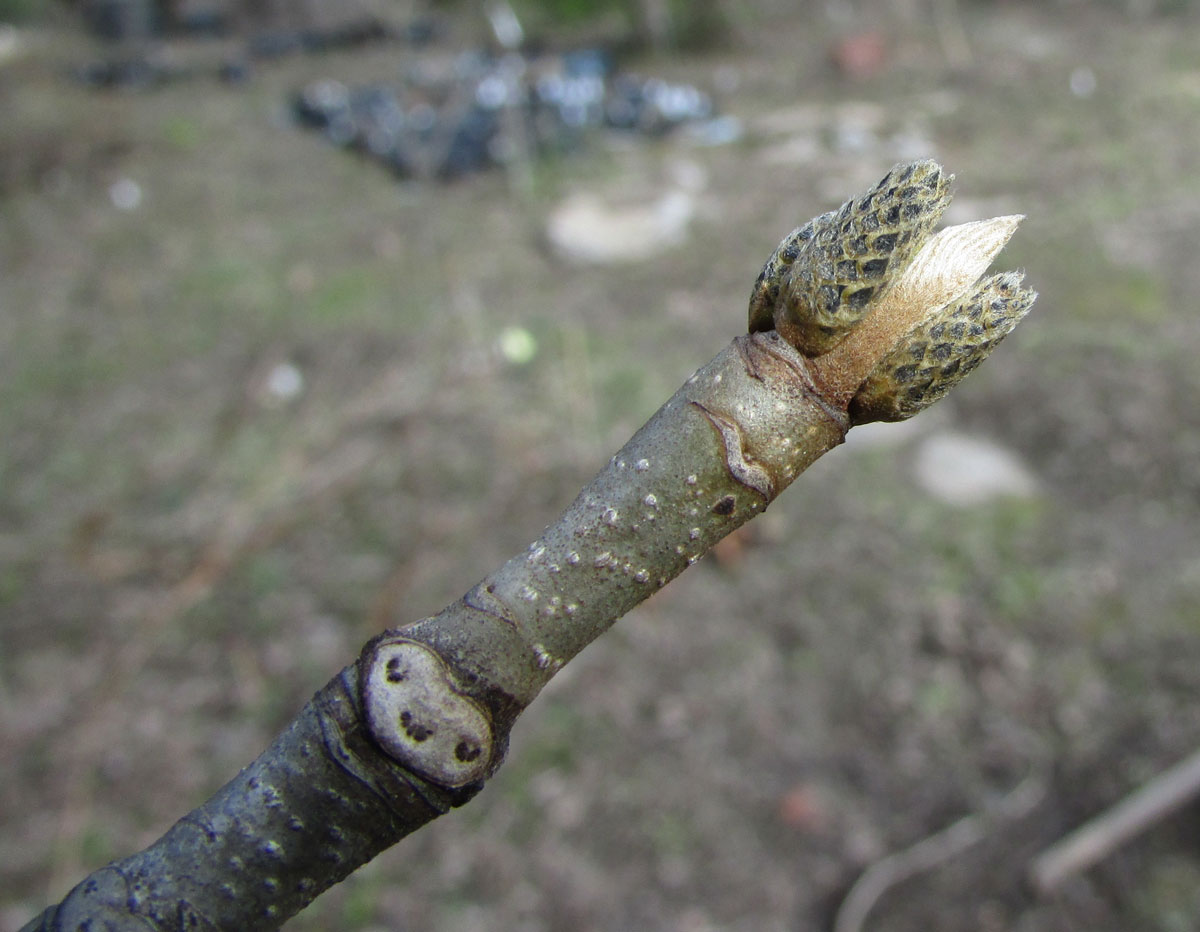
[{"x": 920, "y": 318}]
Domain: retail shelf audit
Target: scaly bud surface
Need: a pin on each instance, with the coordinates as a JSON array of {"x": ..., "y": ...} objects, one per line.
[
  {"x": 826, "y": 276},
  {"x": 887, "y": 315},
  {"x": 939, "y": 353}
]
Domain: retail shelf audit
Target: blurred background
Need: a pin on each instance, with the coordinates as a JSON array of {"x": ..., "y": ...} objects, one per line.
[{"x": 312, "y": 314}]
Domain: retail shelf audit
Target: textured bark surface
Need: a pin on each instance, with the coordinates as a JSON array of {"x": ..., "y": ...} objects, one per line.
[{"x": 318, "y": 803}]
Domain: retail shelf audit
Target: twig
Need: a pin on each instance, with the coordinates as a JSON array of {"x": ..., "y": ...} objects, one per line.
[
  {"x": 891, "y": 315},
  {"x": 933, "y": 850},
  {"x": 1095, "y": 840}
]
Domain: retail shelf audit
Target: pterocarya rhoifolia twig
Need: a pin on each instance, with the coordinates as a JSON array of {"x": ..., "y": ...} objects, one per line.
[{"x": 863, "y": 314}]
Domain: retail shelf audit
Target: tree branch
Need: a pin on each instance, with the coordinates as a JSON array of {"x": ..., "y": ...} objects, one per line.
[
  {"x": 860, "y": 315},
  {"x": 1101, "y": 835}
]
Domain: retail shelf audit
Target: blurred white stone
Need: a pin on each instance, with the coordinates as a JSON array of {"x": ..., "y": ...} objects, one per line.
[
  {"x": 585, "y": 229},
  {"x": 284, "y": 382},
  {"x": 125, "y": 194},
  {"x": 1083, "y": 82},
  {"x": 962, "y": 470},
  {"x": 505, "y": 24},
  {"x": 687, "y": 175}
]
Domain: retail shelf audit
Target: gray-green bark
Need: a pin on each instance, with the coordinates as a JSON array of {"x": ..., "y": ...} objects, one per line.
[{"x": 419, "y": 722}]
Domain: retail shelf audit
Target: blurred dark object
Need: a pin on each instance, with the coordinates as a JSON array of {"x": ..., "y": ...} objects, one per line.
[
  {"x": 205, "y": 25},
  {"x": 654, "y": 106},
  {"x": 122, "y": 20},
  {"x": 142, "y": 30},
  {"x": 132, "y": 20},
  {"x": 201, "y": 20},
  {"x": 235, "y": 70},
  {"x": 147, "y": 70},
  {"x": 451, "y": 116},
  {"x": 353, "y": 34},
  {"x": 137, "y": 72},
  {"x": 492, "y": 107}
]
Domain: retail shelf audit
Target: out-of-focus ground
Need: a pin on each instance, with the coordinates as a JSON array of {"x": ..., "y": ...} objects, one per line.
[{"x": 193, "y": 539}]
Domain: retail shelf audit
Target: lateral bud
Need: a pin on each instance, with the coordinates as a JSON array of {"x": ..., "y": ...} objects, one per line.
[{"x": 941, "y": 351}]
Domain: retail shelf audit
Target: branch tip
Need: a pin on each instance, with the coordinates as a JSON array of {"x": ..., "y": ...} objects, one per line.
[{"x": 889, "y": 314}]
